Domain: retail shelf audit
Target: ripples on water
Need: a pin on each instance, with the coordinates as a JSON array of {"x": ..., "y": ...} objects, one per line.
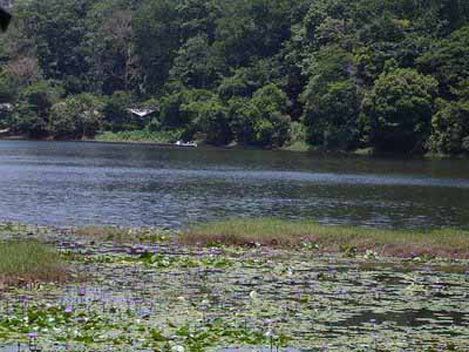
[{"x": 65, "y": 183}]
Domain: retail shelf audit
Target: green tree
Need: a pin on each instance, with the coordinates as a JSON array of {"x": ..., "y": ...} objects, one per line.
[
  {"x": 116, "y": 115},
  {"x": 448, "y": 61},
  {"x": 325, "y": 19},
  {"x": 9, "y": 88},
  {"x": 59, "y": 30},
  {"x": 33, "y": 113},
  {"x": 450, "y": 124},
  {"x": 253, "y": 29},
  {"x": 262, "y": 120},
  {"x": 216, "y": 57},
  {"x": 398, "y": 110},
  {"x": 9, "y": 91},
  {"x": 112, "y": 50},
  {"x": 198, "y": 17},
  {"x": 331, "y": 116},
  {"x": 210, "y": 118},
  {"x": 171, "y": 113},
  {"x": 233, "y": 86},
  {"x": 331, "y": 99},
  {"x": 196, "y": 64},
  {"x": 450, "y": 128},
  {"x": 76, "y": 116},
  {"x": 156, "y": 28}
]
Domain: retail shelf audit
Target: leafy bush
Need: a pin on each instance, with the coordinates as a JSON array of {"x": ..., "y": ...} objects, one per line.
[
  {"x": 35, "y": 107},
  {"x": 211, "y": 119},
  {"x": 262, "y": 120},
  {"x": 399, "y": 108},
  {"x": 115, "y": 111},
  {"x": 331, "y": 116},
  {"x": 77, "y": 116},
  {"x": 450, "y": 128}
]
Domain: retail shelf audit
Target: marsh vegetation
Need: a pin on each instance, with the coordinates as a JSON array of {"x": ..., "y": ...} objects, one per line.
[
  {"x": 26, "y": 262},
  {"x": 277, "y": 233},
  {"x": 154, "y": 294}
]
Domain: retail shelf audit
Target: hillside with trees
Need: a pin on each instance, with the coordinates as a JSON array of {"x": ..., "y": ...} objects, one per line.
[{"x": 392, "y": 75}]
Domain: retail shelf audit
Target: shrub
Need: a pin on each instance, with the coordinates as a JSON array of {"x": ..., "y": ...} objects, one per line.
[{"x": 399, "y": 108}]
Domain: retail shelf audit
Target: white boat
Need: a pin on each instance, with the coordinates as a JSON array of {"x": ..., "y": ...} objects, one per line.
[{"x": 186, "y": 144}]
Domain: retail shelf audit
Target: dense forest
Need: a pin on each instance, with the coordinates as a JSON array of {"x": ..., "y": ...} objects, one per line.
[{"x": 392, "y": 75}]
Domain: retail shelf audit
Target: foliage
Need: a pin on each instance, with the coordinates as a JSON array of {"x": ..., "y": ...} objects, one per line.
[
  {"x": 29, "y": 261},
  {"x": 448, "y": 61},
  {"x": 261, "y": 120},
  {"x": 330, "y": 58},
  {"x": 35, "y": 108},
  {"x": 172, "y": 114},
  {"x": 58, "y": 28},
  {"x": 450, "y": 128},
  {"x": 77, "y": 116},
  {"x": 196, "y": 63},
  {"x": 9, "y": 88},
  {"x": 116, "y": 115},
  {"x": 156, "y": 36},
  {"x": 399, "y": 108},
  {"x": 211, "y": 119}
]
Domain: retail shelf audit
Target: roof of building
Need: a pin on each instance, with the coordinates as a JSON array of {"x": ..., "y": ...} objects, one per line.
[{"x": 142, "y": 112}]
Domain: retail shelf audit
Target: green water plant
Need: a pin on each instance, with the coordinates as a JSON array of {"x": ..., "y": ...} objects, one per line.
[
  {"x": 30, "y": 261},
  {"x": 351, "y": 241}
]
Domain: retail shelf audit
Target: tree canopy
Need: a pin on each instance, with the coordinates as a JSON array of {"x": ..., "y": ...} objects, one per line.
[{"x": 391, "y": 74}]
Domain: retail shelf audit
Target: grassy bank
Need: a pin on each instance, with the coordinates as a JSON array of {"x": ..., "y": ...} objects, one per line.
[
  {"x": 142, "y": 136},
  {"x": 449, "y": 243},
  {"x": 24, "y": 262}
]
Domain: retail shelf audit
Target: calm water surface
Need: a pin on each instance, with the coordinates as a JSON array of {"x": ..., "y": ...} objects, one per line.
[{"x": 74, "y": 183}]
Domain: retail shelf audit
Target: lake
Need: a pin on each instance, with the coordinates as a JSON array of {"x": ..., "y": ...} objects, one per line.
[{"x": 79, "y": 183}]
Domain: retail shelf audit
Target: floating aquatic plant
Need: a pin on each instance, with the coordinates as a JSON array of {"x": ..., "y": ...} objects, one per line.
[{"x": 163, "y": 297}]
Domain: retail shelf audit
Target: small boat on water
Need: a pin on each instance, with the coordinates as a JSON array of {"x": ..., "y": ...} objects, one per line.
[{"x": 185, "y": 144}]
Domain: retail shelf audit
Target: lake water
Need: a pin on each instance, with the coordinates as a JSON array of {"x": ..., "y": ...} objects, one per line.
[{"x": 76, "y": 183}]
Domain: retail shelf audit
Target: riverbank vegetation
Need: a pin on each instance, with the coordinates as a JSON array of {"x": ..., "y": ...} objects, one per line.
[
  {"x": 288, "y": 235},
  {"x": 26, "y": 262},
  {"x": 140, "y": 293},
  {"x": 278, "y": 233},
  {"x": 140, "y": 136},
  {"x": 389, "y": 75}
]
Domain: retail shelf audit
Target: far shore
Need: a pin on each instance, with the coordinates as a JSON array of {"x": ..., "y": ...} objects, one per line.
[
  {"x": 298, "y": 147},
  {"x": 89, "y": 140}
]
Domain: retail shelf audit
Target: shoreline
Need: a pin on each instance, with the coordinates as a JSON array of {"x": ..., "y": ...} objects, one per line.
[
  {"x": 367, "y": 152},
  {"x": 93, "y": 141},
  {"x": 302, "y": 147}
]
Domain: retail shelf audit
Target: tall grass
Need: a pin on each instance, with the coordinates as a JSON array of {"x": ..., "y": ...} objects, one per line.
[
  {"x": 29, "y": 261},
  {"x": 281, "y": 233},
  {"x": 140, "y": 136}
]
